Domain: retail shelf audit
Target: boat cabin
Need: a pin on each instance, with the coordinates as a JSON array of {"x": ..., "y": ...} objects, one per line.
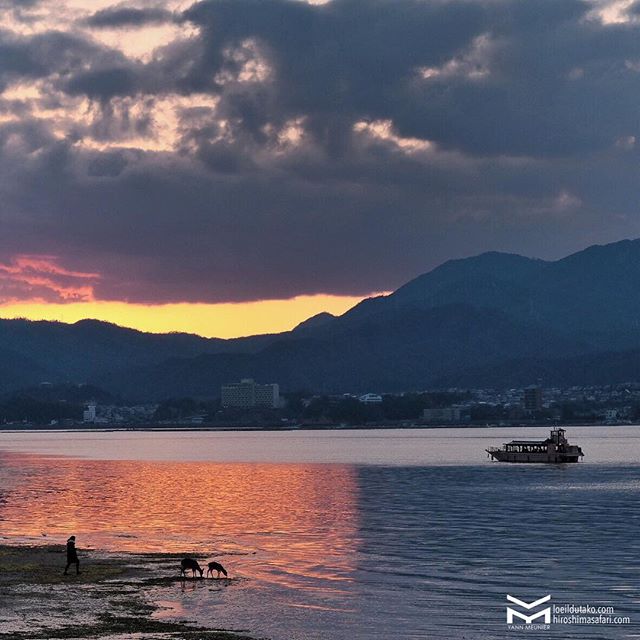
[{"x": 526, "y": 446}]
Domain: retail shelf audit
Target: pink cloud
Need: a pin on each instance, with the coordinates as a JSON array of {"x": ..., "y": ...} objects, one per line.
[{"x": 42, "y": 279}]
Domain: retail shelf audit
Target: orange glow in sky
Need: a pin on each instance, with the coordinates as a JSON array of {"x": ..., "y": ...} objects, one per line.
[{"x": 227, "y": 320}]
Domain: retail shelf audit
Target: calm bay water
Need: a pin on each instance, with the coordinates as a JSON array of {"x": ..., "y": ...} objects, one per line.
[{"x": 348, "y": 534}]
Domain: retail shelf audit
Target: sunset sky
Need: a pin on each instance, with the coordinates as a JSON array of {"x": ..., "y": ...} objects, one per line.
[{"x": 234, "y": 166}]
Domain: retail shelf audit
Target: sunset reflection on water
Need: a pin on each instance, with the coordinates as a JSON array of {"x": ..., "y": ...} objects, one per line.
[
  {"x": 286, "y": 523},
  {"x": 407, "y": 539}
]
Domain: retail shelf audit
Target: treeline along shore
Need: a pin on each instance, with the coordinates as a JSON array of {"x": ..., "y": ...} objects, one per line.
[{"x": 65, "y": 407}]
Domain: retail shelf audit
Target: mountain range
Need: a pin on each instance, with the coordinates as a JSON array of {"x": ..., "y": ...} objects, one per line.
[{"x": 493, "y": 320}]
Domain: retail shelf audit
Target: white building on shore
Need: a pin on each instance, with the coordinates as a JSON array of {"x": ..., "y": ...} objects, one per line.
[
  {"x": 89, "y": 413},
  {"x": 370, "y": 398}
]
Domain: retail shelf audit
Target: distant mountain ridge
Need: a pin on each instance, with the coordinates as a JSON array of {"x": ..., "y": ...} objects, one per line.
[
  {"x": 32, "y": 352},
  {"x": 490, "y": 320},
  {"x": 593, "y": 294}
]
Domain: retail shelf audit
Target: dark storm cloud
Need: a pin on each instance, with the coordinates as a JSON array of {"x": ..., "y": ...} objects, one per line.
[
  {"x": 50, "y": 54},
  {"x": 16, "y": 58},
  {"x": 103, "y": 83},
  {"x": 115, "y": 17},
  {"x": 553, "y": 78},
  {"x": 107, "y": 165},
  {"x": 334, "y": 62},
  {"x": 344, "y": 147}
]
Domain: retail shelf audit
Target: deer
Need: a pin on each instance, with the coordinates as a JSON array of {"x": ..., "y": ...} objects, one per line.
[{"x": 187, "y": 564}]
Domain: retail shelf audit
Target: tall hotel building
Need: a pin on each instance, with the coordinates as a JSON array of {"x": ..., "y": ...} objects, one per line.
[{"x": 248, "y": 394}]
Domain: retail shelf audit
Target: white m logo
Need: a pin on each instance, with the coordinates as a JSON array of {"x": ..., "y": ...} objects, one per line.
[{"x": 528, "y": 605}]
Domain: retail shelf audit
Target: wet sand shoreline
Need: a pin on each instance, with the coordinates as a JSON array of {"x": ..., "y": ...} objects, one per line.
[{"x": 112, "y": 598}]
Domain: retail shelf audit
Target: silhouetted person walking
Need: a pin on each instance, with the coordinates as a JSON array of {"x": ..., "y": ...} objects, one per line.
[{"x": 72, "y": 555}]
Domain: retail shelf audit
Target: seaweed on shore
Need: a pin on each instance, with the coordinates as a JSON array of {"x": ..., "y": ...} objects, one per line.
[{"x": 112, "y": 626}]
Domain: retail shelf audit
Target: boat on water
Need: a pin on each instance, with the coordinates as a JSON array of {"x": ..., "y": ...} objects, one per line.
[{"x": 555, "y": 449}]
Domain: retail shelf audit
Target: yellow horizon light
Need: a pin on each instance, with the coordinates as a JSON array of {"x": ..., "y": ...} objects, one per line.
[{"x": 220, "y": 320}]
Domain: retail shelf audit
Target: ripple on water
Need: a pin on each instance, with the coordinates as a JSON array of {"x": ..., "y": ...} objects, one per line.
[{"x": 367, "y": 551}]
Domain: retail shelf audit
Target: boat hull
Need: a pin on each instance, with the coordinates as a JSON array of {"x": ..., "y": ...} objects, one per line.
[{"x": 532, "y": 458}]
